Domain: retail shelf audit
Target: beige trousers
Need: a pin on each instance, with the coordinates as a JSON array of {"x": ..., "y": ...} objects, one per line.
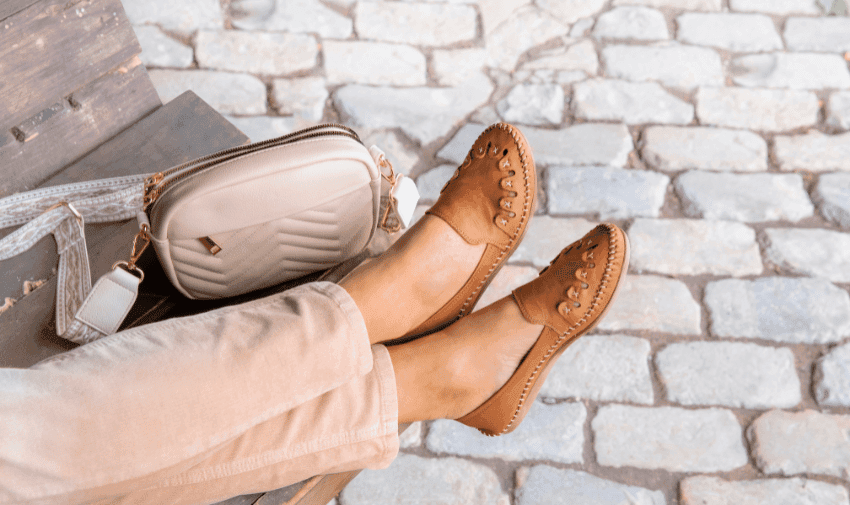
[{"x": 195, "y": 410}]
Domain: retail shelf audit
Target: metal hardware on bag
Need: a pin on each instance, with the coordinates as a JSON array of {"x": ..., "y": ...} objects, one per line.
[
  {"x": 133, "y": 269},
  {"x": 210, "y": 244},
  {"x": 140, "y": 242},
  {"x": 392, "y": 202},
  {"x": 74, "y": 211}
]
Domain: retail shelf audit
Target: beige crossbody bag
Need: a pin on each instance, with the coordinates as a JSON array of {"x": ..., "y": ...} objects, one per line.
[{"x": 222, "y": 225}]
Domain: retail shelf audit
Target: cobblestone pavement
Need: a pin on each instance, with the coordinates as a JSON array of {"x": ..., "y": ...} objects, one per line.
[{"x": 714, "y": 131}]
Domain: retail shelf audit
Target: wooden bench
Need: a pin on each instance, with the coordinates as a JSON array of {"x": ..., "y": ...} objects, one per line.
[{"x": 77, "y": 104}]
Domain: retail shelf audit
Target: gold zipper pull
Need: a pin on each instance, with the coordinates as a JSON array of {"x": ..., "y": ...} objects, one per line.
[
  {"x": 210, "y": 244},
  {"x": 150, "y": 184}
]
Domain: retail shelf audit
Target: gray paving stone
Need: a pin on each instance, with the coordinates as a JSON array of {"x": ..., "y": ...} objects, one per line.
[
  {"x": 431, "y": 182},
  {"x": 833, "y": 196},
  {"x": 225, "y": 92},
  {"x": 295, "y": 16},
  {"x": 570, "y": 11},
  {"x": 303, "y": 97},
  {"x": 637, "y": 23},
  {"x": 781, "y": 309},
  {"x": 496, "y": 12},
  {"x": 452, "y": 67},
  {"x": 527, "y": 28},
  {"x": 731, "y": 374},
  {"x": 551, "y": 486},
  {"x": 757, "y": 109},
  {"x": 833, "y": 388},
  {"x": 672, "y": 149},
  {"x": 790, "y": 443},
  {"x": 373, "y": 63},
  {"x": 581, "y": 144},
  {"x": 606, "y": 192},
  {"x": 629, "y": 102},
  {"x": 779, "y": 7},
  {"x": 184, "y": 17},
  {"x": 813, "y": 152},
  {"x": 668, "y": 438},
  {"x": 402, "y": 157},
  {"x": 509, "y": 278},
  {"x": 576, "y": 57},
  {"x": 256, "y": 52},
  {"x": 533, "y": 104},
  {"x": 422, "y": 24},
  {"x": 412, "y": 436},
  {"x": 684, "y": 67},
  {"x": 838, "y": 110},
  {"x": 546, "y": 236},
  {"x": 602, "y": 368},
  {"x": 550, "y": 432},
  {"x": 744, "y": 197},
  {"x": 815, "y": 252},
  {"x": 160, "y": 50},
  {"x": 581, "y": 27},
  {"x": 649, "y": 302},
  {"x": 694, "y": 247},
  {"x": 733, "y": 32},
  {"x": 424, "y": 114},
  {"x": 703, "y": 490},
  {"x": 823, "y": 34},
  {"x": 458, "y": 147},
  {"x": 438, "y": 481},
  {"x": 687, "y": 5},
  {"x": 259, "y": 128},
  {"x": 791, "y": 70}
]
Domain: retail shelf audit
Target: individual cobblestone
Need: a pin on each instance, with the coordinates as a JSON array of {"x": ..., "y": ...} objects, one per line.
[
  {"x": 259, "y": 128},
  {"x": 694, "y": 247},
  {"x": 791, "y": 443},
  {"x": 507, "y": 279},
  {"x": 412, "y": 479},
  {"x": 731, "y": 374},
  {"x": 581, "y": 144},
  {"x": 496, "y": 12},
  {"x": 303, "y": 97},
  {"x": 744, "y": 197},
  {"x": 791, "y": 70},
  {"x": 778, "y": 7},
  {"x": 183, "y": 17},
  {"x": 815, "y": 252},
  {"x": 607, "y": 192},
  {"x": 294, "y": 16},
  {"x": 580, "y": 56},
  {"x": 458, "y": 147},
  {"x": 781, "y": 309},
  {"x": 637, "y": 23},
  {"x": 673, "y": 439},
  {"x": 602, "y": 368},
  {"x": 672, "y": 149},
  {"x": 160, "y": 50},
  {"x": 704, "y": 490},
  {"x": 225, "y": 92},
  {"x": 833, "y": 388},
  {"x": 453, "y": 67},
  {"x": 629, "y": 102},
  {"x": 833, "y": 196},
  {"x": 581, "y": 27},
  {"x": 550, "y": 432},
  {"x": 270, "y": 53},
  {"x": 533, "y": 104},
  {"x": 527, "y": 28},
  {"x": 412, "y": 436},
  {"x": 757, "y": 109},
  {"x": 570, "y": 11},
  {"x": 422, "y": 24},
  {"x": 677, "y": 66},
  {"x": 649, "y": 302},
  {"x": 547, "y": 236},
  {"x": 546, "y": 485},
  {"x": 823, "y": 34},
  {"x": 690, "y": 5},
  {"x": 733, "y": 32},
  {"x": 425, "y": 114},
  {"x": 838, "y": 110},
  {"x": 813, "y": 152},
  {"x": 373, "y": 63}
]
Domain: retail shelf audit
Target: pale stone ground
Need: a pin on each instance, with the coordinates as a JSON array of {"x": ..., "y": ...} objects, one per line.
[{"x": 714, "y": 131}]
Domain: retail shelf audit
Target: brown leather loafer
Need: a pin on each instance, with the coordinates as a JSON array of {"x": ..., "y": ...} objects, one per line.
[
  {"x": 569, "y": 298},
  {"x": 489, "y": 200}
]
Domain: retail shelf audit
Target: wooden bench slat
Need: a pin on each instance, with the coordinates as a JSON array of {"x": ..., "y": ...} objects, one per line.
[{"x": 54, "y": 47}]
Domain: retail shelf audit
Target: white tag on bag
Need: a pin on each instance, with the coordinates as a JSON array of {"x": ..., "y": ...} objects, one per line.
[
  {"x": 110, "y": 300},
  {"x": 406, "y": 195}
]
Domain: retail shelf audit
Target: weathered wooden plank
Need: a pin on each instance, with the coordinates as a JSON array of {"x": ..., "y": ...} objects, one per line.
[
  {"x": 54, "y": 47},
  {"x": 12, "y": 7},
  {"x": 69, "y": 128}
]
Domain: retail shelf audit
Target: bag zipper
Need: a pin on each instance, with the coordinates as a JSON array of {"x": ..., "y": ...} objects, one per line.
[{"x": 158, "y": 183}]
